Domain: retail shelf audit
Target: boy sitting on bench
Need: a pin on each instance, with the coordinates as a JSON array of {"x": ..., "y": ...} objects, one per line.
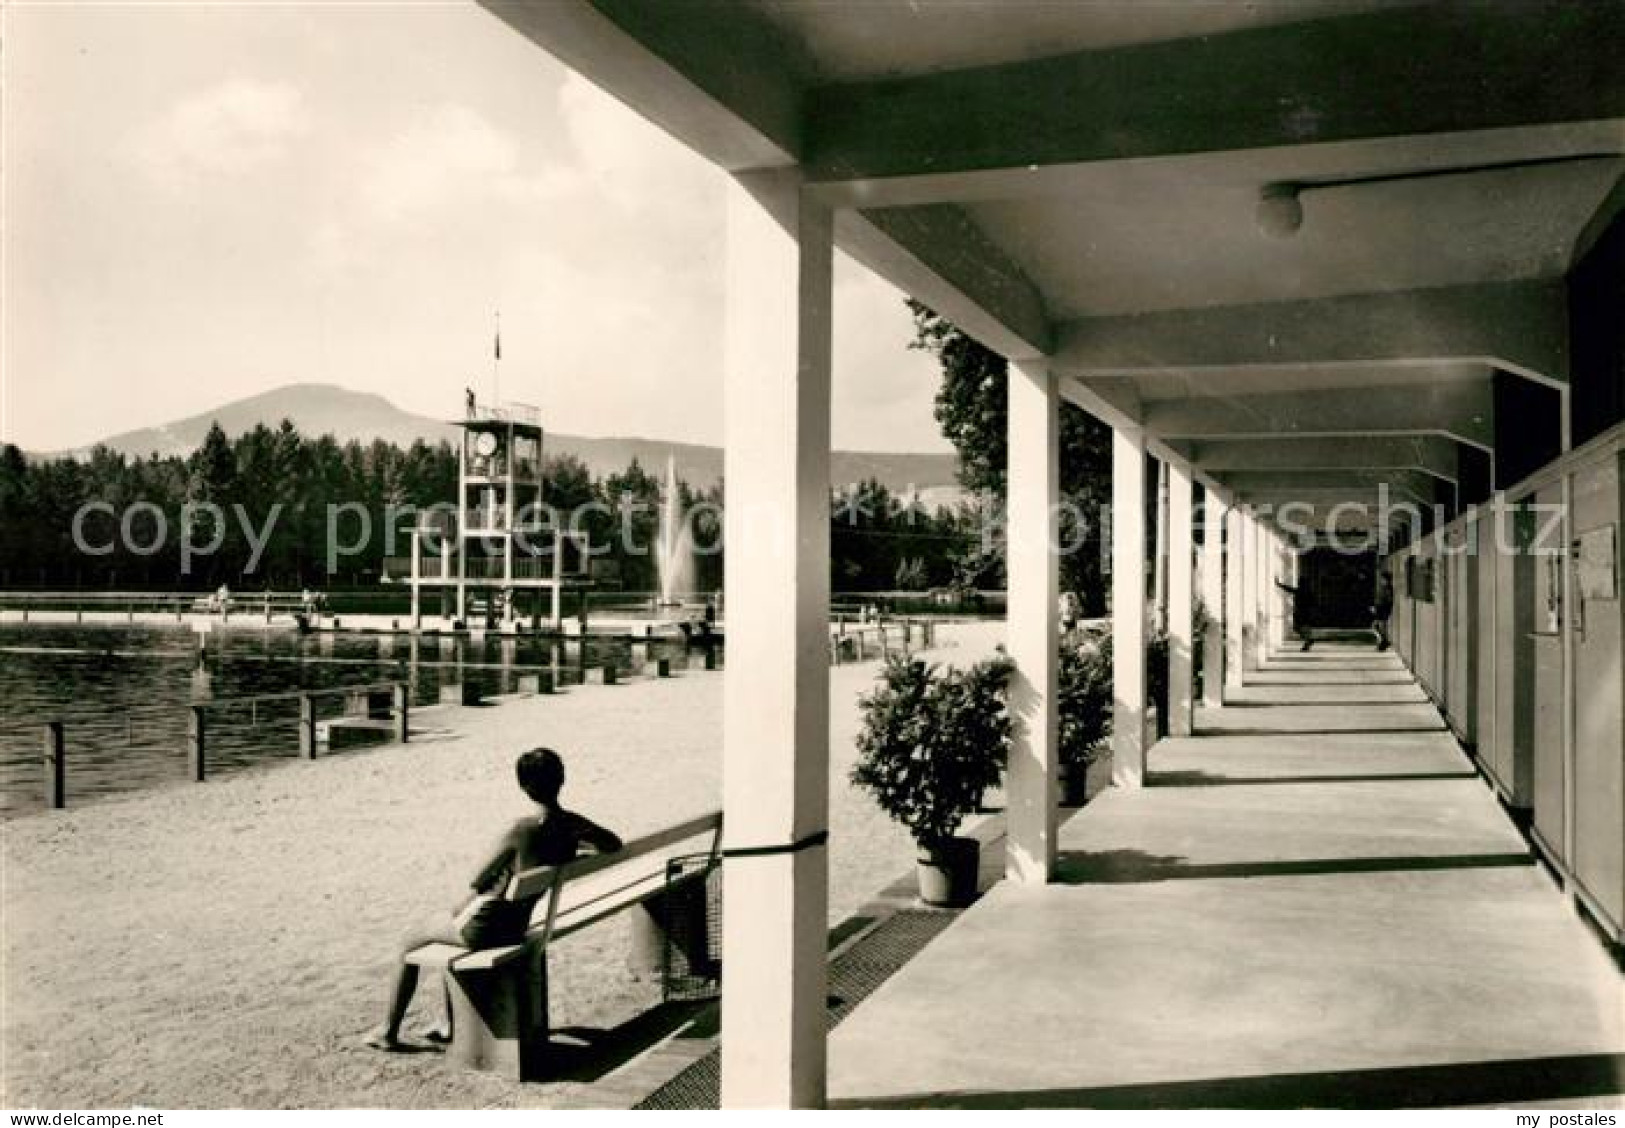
[{"x": 487, "y": 919}]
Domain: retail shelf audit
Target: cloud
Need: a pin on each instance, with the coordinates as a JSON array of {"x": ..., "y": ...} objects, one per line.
[
  {"x": 227, "y": 130},
  {"x": 453, "y": 154},
  {"x": 632, "y": 161}
]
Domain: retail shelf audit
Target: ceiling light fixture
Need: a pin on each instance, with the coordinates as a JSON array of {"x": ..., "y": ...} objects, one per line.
[
  {"x": 1280, "y": 212},
  {"x": 1280, "y": 205}
]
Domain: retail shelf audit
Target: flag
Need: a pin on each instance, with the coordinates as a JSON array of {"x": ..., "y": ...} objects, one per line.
[{"x": 498, "y": 344}]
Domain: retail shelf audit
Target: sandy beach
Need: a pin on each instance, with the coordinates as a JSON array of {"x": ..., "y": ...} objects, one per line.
[{"x": 224, "y": 944}]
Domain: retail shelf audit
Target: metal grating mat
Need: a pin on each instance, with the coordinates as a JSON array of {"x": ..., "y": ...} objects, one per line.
[{"x": 854, "y": 975}]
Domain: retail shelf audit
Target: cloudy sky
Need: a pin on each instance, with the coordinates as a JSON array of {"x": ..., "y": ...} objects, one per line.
[{"x": 206, "y": 201}]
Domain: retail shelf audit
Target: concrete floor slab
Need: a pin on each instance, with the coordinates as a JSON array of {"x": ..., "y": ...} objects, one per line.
[
  {"x": 1331, "y": 676},
  {"x": 1266, "y": 718},
  {"x": 1281, "y": 918},
  {"x": 1325, "y": 693}
]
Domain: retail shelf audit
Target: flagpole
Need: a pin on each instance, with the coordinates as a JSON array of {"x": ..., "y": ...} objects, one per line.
[{"x": 496, "y": 363}]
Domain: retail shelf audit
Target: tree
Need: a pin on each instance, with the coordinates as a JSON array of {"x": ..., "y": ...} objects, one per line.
[
  {"x": 972, "y": 408},
  {"x": 214, "y": 479},
  {"x": 634, "y": 497}
]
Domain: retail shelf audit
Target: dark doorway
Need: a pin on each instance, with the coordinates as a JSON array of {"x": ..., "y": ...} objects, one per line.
[{"x": 1337, "y": 588}]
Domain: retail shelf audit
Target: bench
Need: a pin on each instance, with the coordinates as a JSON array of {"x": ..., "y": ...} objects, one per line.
[{"x": 499, "y": 995}]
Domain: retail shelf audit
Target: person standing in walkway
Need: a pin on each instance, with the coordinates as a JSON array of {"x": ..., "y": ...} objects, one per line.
[
  {"x": 1300, "y": 614},
  {"x": 1382, "y": 609}
]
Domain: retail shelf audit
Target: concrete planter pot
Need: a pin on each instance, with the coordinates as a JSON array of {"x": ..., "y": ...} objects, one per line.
[{"x": 947, "y": 872}]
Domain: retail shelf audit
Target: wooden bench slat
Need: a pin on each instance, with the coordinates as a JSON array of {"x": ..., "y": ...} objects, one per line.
[
  {"x": 573, "y": 918},
  {"x": 586, "y": 891},
  {"x": 463, "y": 959},
  {"x": 533, "y": 882}
]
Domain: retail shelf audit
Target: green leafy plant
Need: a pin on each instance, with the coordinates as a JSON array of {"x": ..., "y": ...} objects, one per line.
[
  {"x": 933, "y": 740},
  {"x": 1085, "y": 701}
]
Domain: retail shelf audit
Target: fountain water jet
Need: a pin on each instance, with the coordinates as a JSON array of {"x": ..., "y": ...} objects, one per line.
[{"x": 674, "y": 560}]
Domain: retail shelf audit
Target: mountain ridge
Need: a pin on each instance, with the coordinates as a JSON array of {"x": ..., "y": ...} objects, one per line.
[{"x": 318, "y": 409}]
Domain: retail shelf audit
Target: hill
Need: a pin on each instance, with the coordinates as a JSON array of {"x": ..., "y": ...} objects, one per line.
[{"x": 318, "y": 409}]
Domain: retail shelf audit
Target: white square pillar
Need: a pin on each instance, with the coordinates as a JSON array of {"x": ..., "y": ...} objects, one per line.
[
  {"x": 1215, "y": 516},
  {"x": 1269, "y": 594},
  {"x": 775, "y": 716},
  {"x": 1287, "y": 573},
  {"x": 1159, "y": 550},
  {"x": 1181, "y": 640},
  {"x": 1235, "y": 595},
  {"x": 1031, "y": 628},
  {"x": 1252, "y": 571},
  {"x": 1261, "y": 588},
  {"x": 1128, "y": 607},
  {"x": 1275, "y": 632}
]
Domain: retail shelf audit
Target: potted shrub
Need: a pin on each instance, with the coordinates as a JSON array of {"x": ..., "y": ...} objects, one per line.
[
  {"x": 1084, "y": 703},
  {"x": 932, "y": 742}
]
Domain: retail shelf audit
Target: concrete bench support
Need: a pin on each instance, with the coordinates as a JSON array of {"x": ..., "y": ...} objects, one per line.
[{"x": 498, "y": 1007}]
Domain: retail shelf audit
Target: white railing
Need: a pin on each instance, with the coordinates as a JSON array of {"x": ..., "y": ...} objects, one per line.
[{"x": 507, "y": 412}]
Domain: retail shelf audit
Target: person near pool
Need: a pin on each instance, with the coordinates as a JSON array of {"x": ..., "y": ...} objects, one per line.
[{"x": 551, "y": 836}]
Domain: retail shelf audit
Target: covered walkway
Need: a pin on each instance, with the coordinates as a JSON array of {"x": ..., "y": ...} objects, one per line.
[
  {"x": 1311, "y": 902},
  {"x": 1321, "y": 320}
]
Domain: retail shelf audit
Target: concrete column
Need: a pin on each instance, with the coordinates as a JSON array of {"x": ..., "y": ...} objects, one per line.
[
  {"x": 1235, "y": 588},
  {"x": 1214, "y": 519},
  {"x": 1181, "y": 657},
  {"x": 1262, "y": 576},
  {"x": 1249, "y": 589},
  {"x": 1128, "y": 607},
  {"x": 1031, "y": 635},
  {"x": 415, "y": 546},
  {"x": 1287, "y": 574},
  {"x": 1285, "y": 605},
  {"x": 1273, "y": 596},
  {"x": 775, "y": 717},
  {"x": 1159, "y": 554}
]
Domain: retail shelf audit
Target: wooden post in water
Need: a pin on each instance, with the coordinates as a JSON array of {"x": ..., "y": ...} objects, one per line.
[
  {"x": 403, "y": 706},
  {"x": 307, "y": 726},
  {"x": 56, "y": 766},
  {"x": 195, "y": 743}
]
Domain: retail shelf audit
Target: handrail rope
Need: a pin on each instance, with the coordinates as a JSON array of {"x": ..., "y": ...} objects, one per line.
[{"x": 214, "y": 703}]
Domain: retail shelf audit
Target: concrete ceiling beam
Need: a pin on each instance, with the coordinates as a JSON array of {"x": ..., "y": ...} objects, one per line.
[
  {"x": 1430, "y": 454},
  {"x": 1463, "y": 410},
  {"x": 1414, "y": 72},
  {"x": 1517, "y": 326},
  {"x": 937, "y": 255},
  {"x": 1246, "y": 483},
  {"x": 732, "y": 93}
]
